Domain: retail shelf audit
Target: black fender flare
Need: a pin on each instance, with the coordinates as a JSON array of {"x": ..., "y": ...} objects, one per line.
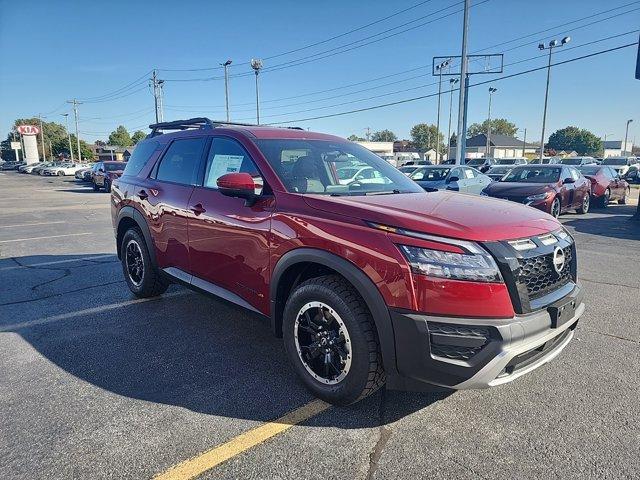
[
  {"x": 138, "y": 218},
  {"x": 354, "y": 275}
]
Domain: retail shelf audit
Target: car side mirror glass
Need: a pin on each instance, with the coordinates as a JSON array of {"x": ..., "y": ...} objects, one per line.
[
  {"x": 240, "y": 185},
  {"x": 453, "y": 179},
  {"x": 101, "y": 170}
]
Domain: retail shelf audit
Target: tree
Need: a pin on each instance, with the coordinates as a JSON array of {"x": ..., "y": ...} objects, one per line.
[
  {"x": 573, "y": 138},
  {"x": 85, "y": 149},
  {"x": 499, "y": 126},
  {"x": 383, "y": 136},
  {"x": 424, "y": 137},
  {"x": 137, "y": 136},
  {"x": 55, "y": 135},
  {"x": 120, "y": 137},
  {"x": 355, "y": 138}
]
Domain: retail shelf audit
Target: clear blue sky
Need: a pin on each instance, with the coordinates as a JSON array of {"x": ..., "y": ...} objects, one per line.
[{"x": 56, "y": 50}]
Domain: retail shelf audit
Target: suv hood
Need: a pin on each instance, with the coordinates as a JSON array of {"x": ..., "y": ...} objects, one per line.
[{"x": 442, "y": 213}]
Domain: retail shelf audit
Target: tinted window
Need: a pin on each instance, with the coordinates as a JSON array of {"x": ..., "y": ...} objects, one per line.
[
  {"x": 113, "y": 166},
  {"x": 457, "y": 172},
  {"x": 531, "y": 174},
  {"x": 180, "y": 162},
  {"x": 227, "y": 156},
  {"x": 592, "y": 170},
  {"x": 140, "y": 156}
]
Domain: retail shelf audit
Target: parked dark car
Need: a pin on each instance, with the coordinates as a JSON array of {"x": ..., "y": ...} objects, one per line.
[
  {"x": 367, "y": 283},
  {"x": 105, "y": 173},
  {"x": 482, "y": 164},
  {"x": 460, "y": 179},
  {"x": 496, "y": 172},
  {"x": 606, "y": 184},
  {"x": 633, "y": 174},
  {"x": 11, "y": 165},
  {"x": 554, "y": 189}
]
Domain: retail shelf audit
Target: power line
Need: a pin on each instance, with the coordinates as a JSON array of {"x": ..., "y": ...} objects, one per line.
[
  {"x": 119, "y": 90},
  {"x": 413, "y": 99}
]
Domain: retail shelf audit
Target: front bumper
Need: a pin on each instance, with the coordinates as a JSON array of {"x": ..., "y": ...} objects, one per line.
[{"x": 513, "y": 346}]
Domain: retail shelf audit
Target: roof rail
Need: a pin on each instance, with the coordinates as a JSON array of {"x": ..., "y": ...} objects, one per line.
[{"x": 196, "y": 123}]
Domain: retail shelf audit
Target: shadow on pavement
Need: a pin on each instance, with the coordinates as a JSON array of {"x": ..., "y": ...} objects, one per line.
[
  {"x": 187, "y": 350},
  {"x": 613, "y": 221}
]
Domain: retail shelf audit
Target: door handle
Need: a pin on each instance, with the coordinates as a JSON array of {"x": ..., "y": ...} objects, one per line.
[
  {"x": 143, "y": 195},
  {"x": 198, "y": 209}
]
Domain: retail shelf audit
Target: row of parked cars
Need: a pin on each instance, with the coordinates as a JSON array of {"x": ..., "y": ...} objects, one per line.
[
  {"x": 99, "y": 174},
  {"x": 555, "y": 188}
]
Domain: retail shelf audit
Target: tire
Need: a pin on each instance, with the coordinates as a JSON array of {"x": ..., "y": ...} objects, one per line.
[
  {"x": 147, "y": 281},
  {"x": 107, "y": 186},
  {"x": 606, "y": 197},
  {"x": 555, "y": 207},
  {"x": 362, "y": 372},
  {"x": 623, "y": 200},
  {"x": 586, "y": 202},
  {"x": 95, "y": 187},
  {"x": 61, "y": 174}
]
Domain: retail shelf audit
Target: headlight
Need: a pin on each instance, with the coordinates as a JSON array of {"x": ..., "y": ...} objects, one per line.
[
  {"x": 535, "y": 198},
  {"x": 476, "y": 266}
]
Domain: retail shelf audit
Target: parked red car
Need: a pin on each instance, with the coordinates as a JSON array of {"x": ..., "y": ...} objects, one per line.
[
  {"x": 551, "y": 188},
  {"x": 367, "y": 282},
  {"x": 606, "y": 184},
  {"x": 105, "y": 173}
]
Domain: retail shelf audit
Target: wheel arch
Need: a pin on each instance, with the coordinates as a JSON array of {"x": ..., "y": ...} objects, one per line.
[
  {"x": 130, "y": 217},
  {"x": 290, "y": 271}
]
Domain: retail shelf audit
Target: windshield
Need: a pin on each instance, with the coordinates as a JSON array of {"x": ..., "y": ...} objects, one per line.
[
  {"x": 589, "y": 170},
  {"x": 614, "y": 161},
  {"x": 474, "y": 162},
  {"x": 112, "y": 167},
  {"x": 506, "y": 161},
  {"x": 533, "y": 175},
  {"x": 571, "y": 161},
  {"x": 498, "y": 170},
  {"x": 325, "y": 167},
  {"x": 430, "y": 174}
]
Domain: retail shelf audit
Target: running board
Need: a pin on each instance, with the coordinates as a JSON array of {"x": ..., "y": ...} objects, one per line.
[{"x": 208, "y": 287}]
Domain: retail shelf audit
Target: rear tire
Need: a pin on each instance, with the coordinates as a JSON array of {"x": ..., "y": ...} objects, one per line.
[
  {"x": 142, "y": 277},
  {"x": 107, "y": 186},
  {"x": 95, "y": 187},
  {"x": 623, "y": 200},
  {"x": 327, "y": 322},
  {"x": 584, "y": 208}
]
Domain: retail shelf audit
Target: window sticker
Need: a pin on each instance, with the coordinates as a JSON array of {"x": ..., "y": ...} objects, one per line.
[{"x": 221, "y": 165}]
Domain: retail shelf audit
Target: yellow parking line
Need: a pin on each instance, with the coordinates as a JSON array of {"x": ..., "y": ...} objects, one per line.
[{"x": 211, "y": 458}]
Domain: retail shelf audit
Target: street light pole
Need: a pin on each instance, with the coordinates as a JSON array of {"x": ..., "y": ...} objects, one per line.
[
  {"x": 491, "y": 92},
  {"x": 626, "y": 136},
  {"x": 439, "y": 69},
  {"x": 256, "y": 64},
  {"x": 44, "y": 154},
  {"x": 550, "y": 47},
  {"x": 452, "y": 82},
  {"x": 226, "y": 85},
  {"x": 66, "y": 120},
  {"x": 75, "y": 113},
  {"x": 461, "y": 136},
  {"x": 524, "y": 142}
]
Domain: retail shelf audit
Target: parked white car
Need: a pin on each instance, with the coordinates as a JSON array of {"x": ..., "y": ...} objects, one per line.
[
  {"x": 28, "y": 168},
  {"x": 365, "y": 174},
  {"x": 63, "y": 169},
  {"x": 620, "y": 164}
]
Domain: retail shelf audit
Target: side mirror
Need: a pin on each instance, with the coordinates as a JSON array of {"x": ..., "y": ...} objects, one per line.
[
  {"x": 101, "y": 170},
  {"x": 240, "y": 185},
  {"x": 568, "y": 180},
  {"x": 453, "y": 179}
]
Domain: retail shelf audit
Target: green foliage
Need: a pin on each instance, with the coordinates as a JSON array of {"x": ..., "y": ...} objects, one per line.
[
  {"x": 383, "y": 136},
  {"x": 53, "y": 132},
  {"x": 137, "y": 136},
  {"x": 573, "y": 138},
  {"x": 355, "y": 138},
  {"x": 424, "y": 137},
  {"x": 120, "y": 137},
  {"x": 85, "y": 149},
  {"x": 499, "y": 126}
]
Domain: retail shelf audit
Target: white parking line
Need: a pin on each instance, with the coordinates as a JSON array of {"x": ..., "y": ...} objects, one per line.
[
  {"x": 56, "y": 262},
  {"x": 87, "y": 311},
  {"x": 43, "y": 238},
  {"x": 30, "y": 224}
]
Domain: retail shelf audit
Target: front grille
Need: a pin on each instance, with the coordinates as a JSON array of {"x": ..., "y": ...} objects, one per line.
[
  {"x": 539, "y": 275},
  {"x": 457, "y": 342}
]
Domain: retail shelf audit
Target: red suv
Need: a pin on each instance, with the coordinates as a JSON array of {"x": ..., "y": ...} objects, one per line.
[{"x": 368, "y": 281}]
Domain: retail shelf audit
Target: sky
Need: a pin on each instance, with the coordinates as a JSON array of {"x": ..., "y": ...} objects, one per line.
[{"x": 102, "y": 53}]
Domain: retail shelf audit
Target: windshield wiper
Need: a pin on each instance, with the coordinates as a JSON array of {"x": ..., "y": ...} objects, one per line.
[{"x": 384, "y": 192}]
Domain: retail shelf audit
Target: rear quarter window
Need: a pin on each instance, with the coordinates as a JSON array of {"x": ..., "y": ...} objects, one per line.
[{"x": 140, "y": 157}]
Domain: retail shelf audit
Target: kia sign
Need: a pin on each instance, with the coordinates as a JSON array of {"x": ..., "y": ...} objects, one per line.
[{"x": 28, "y": 130}]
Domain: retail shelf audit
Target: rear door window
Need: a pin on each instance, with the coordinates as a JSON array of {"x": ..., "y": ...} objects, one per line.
[
  {"x": 139, "y": 158},
  {"x": 180, "y": 162}
]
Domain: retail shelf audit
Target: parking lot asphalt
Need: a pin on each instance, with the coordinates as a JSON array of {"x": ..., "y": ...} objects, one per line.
[{"x": 96, "y": 384}]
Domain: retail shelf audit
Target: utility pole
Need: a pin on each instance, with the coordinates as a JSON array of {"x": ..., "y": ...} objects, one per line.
[
  {"x": 66, "y": 120},
  {"x": 157, "y": 96},
  {"x": 226, "y": 86},
  {"x": 462, "y": 134},
  {"x": 368, "y": 134},
  {"x": 256, "y": 64},
  {"x": 550, "y": 47},
  {"x": 524, "y": 141},
  {"x": 486, "y": 152},
  {"x": 439, "y": 68},
  {"x": 75, "y": 113},
  {"x": 44, "y": 154},
  {"x": 452, "y": 82},
  {"x": 626, "y": 136}
]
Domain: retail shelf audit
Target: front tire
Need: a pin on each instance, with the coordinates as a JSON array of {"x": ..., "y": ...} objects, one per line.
[
  {"x": 555, "y": 208},
  {"x": 584, "y": 208},
  {"x": 331, "y": 340},
  {"x": 95, "y": 187},
  {"x": 605, "y": 199},
  {"x": 623, "y": 200},
  {"x": 61, "y": 174},
  {"x": 142, "y": 277},
  {"x": 107, "y": 186}
]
